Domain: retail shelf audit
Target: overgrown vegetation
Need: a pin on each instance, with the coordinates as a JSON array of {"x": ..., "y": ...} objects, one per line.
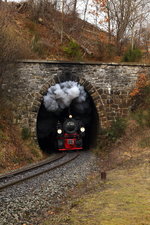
[
  {"x": 25, "y": 133},
  {"x": 111, "y": 135},
  {"x": 132, "y": 55},
  {"x": 117, "y": 129},
  {"x": 72, "y": 50}
]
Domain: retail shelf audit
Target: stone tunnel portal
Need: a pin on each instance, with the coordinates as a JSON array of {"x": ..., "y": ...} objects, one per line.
[{"x": 108, "y": 85}]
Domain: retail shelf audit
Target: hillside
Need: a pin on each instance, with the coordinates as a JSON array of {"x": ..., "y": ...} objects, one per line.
[
  {"x": 52, "y": 35},
  {"x": 16, "y": 147}
]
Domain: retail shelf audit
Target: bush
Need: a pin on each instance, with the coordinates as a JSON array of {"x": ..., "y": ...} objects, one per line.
[
  {"x": 73, "y": 50},
  {"x": 117, "y": 129},
  {"x": 25, "y": 133},
  {"x": 134, "y": 55},
  {"x": 111, "y": 134}
]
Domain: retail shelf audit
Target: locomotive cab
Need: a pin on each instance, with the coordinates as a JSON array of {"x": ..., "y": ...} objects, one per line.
[{"x": 70, "y": 134}]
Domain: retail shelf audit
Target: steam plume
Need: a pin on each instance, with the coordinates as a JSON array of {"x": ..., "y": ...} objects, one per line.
[{"x": 61, "y": 95}]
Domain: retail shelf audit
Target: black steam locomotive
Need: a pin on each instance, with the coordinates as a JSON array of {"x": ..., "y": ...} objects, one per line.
[{"x": 70, "y": 134}]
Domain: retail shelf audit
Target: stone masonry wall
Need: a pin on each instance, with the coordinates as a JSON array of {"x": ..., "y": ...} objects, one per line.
[{"x": 108, "y": 84}]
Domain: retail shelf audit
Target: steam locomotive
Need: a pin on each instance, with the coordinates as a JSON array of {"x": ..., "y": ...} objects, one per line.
[{"x": 70, "y": 134}]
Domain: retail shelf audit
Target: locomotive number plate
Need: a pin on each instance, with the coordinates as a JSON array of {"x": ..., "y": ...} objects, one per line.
[{"x": 70, "y": 141}]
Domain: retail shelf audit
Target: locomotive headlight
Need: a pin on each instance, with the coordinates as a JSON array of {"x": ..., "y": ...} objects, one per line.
[
  {"x": 82, "y": 129},
  {"x": 59, "y": 131}
]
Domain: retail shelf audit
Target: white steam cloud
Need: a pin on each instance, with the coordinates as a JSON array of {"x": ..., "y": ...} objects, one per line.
[{"x": 61, "y": 95}]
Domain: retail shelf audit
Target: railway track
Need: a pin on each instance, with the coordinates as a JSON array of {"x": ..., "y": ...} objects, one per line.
[{"x": 29, "y": 172}]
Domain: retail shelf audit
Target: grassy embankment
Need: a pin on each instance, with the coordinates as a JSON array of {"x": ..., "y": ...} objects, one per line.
[{"x": 123, "y": 199}]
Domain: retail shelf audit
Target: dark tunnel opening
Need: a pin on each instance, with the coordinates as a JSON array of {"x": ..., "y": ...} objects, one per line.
[{"x": 47, "y": 124}]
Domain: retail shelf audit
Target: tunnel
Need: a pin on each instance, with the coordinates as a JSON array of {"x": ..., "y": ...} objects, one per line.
[{"x": 46, "y": 127}]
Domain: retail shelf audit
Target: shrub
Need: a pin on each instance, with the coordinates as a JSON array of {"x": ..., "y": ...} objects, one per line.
[
  {"x": 25, "y": 133},
  {"x": 117, "y": 129},
  {"x": 132, "y": 55},
  {"x": 73, "y": 50},
  {"x": 110, "y": 135}
]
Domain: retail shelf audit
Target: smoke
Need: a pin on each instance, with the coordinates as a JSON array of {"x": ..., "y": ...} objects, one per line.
[
  {"x": 83, "y": 108},
  {"x": 60, "y": 96}
]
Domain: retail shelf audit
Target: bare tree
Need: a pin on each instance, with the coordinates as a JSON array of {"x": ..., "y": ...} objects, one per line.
[
  {"x": 62, "y": 20},
  {"x": 124, "y": 15}
]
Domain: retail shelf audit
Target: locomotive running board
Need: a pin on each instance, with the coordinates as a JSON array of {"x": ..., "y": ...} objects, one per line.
[{"x": 64, "y": 149}]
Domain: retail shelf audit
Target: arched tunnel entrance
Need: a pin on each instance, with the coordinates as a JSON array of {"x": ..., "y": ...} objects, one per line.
[{"x": 47, "y": 123}]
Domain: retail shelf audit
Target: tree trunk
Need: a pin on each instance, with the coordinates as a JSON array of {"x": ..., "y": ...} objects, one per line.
[
  {"x": 74, "y": 6},
  {"x": 85, "y": 10}
]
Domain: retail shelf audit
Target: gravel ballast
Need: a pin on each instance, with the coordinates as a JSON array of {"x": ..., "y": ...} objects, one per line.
[{"x": 25, "y": 202}]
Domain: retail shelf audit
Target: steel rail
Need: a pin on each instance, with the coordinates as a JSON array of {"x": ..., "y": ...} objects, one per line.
[
  {"x": 4, "y": 186},
  {"x": 31, "y": 167}
]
